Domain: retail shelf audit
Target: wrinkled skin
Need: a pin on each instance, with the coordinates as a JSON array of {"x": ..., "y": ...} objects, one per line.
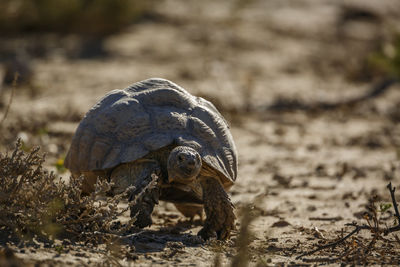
[
  {"x": 219, "y": 210},
  {"x": 138, "y": 174}
]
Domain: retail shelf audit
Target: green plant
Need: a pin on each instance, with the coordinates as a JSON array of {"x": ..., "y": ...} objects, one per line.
[
  {"x": 383, "y": 207},
  {"x": 386, "y": 60},
  {"x": 60, "y": 165},
  {"x": 59, "y": 249}
]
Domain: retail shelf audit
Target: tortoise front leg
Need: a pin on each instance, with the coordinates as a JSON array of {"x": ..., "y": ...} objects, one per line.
[
  {"x": 146, "y": 196},
  {"x": 218, "y": 207},
  {"x": 140, "y": 174}
]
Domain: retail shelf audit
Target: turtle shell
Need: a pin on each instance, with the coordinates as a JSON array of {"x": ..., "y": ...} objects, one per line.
[{"x": 127, "y": 124}]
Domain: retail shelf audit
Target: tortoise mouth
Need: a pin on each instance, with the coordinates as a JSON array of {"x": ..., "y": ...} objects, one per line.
[{"x": 181, "y": 180}]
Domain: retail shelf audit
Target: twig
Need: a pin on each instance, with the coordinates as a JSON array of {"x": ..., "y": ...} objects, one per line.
[
  {"x": 370, "y": 246},
  {"x": 14, "y": 84},
  {"x": 396, "y": 210},
  {"x": 374, "y": 229},
  {"x": 337, "y": 242},
  {"x": 133, "y": 199}
]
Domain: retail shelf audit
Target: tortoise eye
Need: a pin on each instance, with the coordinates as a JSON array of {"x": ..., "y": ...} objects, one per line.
[{"x": 180, "y": 158}]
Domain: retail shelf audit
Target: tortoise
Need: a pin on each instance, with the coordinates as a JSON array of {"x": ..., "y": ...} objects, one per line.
[{"x": 155, "y": 127}]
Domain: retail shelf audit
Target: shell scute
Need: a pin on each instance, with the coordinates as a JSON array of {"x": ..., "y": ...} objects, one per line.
[
  {"x": 157, "y": 140},
  {"x": 169, "y": 119},
  {"x": 165, "y": 97},
  {"x": 85, "y": 145},
  {"x": 134, "y": 151},
  {"x": 203, "y": 131},
  {"x": 112, "y": 157},
  {"x": 100, "y": 148},
  {"x": 135, "y": 126}
]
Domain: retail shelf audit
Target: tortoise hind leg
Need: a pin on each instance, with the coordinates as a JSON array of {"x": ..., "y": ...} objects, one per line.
[
  {"x": 139, "y": 174},
  {"x": 190, "y": 210},
  {"x": 220, "y": 219}
]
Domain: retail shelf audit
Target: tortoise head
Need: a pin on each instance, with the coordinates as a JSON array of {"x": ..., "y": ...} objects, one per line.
[{"x": 184, "y": 164}]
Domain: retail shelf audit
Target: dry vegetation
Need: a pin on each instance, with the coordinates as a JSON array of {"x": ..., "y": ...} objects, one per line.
[
  {"x": 376, "y": 247},
  {"x": 35, "y": 203}
]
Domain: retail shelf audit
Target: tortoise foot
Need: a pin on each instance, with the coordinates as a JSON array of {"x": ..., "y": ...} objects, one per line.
[{"x": 220, "y": 219}]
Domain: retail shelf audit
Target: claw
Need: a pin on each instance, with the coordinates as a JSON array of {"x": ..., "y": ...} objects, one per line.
[
  {"x": 143, "y": 215},
  {"x": 206, "y": 234},
  {"x": 224, "y": 233}
]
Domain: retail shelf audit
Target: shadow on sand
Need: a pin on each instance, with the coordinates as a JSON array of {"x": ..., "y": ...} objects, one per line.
[{"x": 146, "y": 241}]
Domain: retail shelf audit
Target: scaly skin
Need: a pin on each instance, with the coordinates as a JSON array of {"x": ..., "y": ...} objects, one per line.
[
  {"x": 220, "y": 219},
  {"x": 144, "y": 208},
  {"x": 139, "y": 174}
]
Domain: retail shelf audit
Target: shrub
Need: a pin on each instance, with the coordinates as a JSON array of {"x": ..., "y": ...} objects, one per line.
[{"x": 34, "y": 201}]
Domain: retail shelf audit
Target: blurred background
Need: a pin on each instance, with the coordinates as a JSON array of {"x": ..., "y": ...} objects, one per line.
[{"x": 250, "y": 57}]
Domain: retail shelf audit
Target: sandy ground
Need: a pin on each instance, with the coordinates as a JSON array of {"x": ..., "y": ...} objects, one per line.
[{"x": 305, "y": 174}]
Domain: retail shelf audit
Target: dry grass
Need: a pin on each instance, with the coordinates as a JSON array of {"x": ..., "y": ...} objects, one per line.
[
  {"x": 34, "y": 202},
  {"x": 241, "y": 258}
]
